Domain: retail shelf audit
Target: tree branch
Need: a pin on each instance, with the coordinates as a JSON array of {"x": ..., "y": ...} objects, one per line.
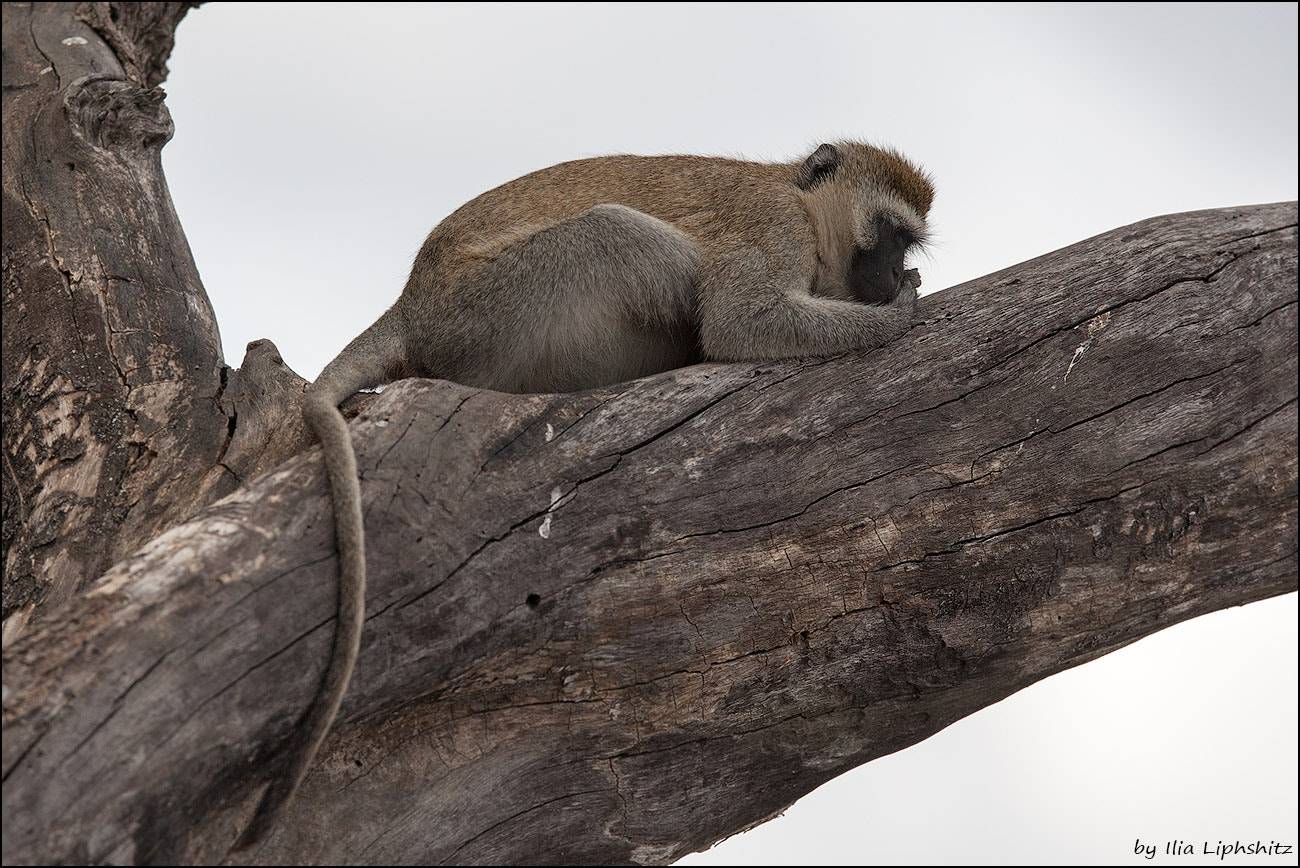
[
  {"x": 113, "y": 428},
  {"x": 619, "y": 625}
]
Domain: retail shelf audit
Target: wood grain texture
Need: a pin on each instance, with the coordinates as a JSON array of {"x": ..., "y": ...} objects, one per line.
[
  {"x": 616, "y": 626},
  {"x": 111, "y": 361}
]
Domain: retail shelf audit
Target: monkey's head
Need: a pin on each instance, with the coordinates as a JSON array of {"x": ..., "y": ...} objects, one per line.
[{"x": 869, "y": 207}]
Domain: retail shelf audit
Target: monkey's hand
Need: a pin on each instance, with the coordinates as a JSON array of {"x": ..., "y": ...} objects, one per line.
[
  {"x": 913, "y": 277},
  {"x": 905, "y": 300}
]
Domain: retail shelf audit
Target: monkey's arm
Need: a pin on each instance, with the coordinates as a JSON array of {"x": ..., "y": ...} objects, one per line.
[{"x": 750, "y": 310}]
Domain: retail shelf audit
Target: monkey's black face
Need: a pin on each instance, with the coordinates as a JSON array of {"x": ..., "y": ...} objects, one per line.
[{"x": 876, "y": 274}]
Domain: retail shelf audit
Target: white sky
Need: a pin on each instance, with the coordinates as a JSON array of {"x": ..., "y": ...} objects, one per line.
[{"x": 317, "y": 144}]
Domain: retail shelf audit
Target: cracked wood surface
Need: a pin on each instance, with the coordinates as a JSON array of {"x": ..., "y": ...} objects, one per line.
[
  {"x": 112, "y": 365},
  {"x": 616, "y": 626}
]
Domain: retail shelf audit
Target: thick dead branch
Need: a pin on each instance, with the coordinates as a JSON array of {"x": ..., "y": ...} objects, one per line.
[
  {"x": 619, "y": 625},
  {"x": 112, "y": 365}
]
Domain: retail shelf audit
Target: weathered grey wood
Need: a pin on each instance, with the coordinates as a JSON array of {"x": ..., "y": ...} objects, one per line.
[
  {"x": 111, "y": 362},
  {"x": 620, "y": 625}
]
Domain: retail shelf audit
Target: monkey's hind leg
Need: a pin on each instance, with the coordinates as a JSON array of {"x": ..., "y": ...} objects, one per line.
[{"x": 602, "y": 297}]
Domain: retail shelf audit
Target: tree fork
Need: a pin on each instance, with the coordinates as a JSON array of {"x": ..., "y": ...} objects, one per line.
[
  {"x": 604, "y": 627},
  {"x": 620, "y": 625}
]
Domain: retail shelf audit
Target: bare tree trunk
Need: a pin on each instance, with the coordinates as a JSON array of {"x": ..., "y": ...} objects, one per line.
[
  {"x": 603, "y": 627},
  {"x": 112, "y": 365}
]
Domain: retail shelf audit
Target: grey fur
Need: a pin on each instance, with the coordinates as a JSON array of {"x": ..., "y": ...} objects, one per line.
[{"x": 604, "y": 270}]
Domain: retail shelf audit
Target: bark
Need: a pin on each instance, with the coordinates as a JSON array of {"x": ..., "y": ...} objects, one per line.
[
  {"x": 620, "y": 625},
  {"x": 612, "y": 626},
  {"x": 112, "y": 364}
]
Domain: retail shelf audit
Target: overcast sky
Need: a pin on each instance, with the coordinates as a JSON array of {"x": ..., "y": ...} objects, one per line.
[{"x": 317, "y": 144}]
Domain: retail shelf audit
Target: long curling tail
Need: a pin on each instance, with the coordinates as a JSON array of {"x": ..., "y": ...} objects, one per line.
[{"x": 373, "y": 358}]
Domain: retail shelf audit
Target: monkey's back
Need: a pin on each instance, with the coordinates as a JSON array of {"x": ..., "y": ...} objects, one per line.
[{"x": 691, "y": 192}]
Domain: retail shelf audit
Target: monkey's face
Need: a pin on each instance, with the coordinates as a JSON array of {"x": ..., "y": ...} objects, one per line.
[{"x": 876, "y": 271}]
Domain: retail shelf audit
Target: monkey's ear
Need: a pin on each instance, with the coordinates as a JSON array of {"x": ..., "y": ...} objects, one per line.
[{"x": 819, "y": 166}]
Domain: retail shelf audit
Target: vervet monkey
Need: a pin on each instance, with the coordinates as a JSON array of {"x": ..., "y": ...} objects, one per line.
[{"x": 603, "y": 270}]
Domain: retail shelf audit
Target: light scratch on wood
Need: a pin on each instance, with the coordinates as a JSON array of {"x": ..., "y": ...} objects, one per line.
[
  {"x": 1095, "y": 325},
  {"x": 545, "y": 530}
]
